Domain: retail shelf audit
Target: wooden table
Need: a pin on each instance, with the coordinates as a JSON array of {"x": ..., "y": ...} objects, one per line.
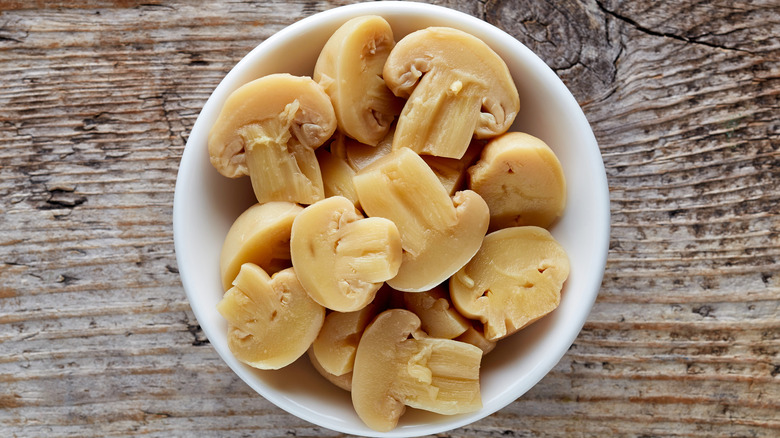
[{"x": 96, "y": 102}]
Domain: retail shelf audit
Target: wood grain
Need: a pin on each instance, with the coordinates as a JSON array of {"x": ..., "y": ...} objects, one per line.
[{"x": 96, "y": 102}]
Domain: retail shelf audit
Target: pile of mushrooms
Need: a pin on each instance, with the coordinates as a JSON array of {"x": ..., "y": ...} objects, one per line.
[{"x": 400, "y": 230}]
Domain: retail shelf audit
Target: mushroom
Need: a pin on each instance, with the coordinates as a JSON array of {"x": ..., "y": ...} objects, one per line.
[
  {"x": 393, "y": 370},
  {"x": 268, "y": 129},
  {"x": 341, "y": 258},
  {"x": 452, "y": 172},
  {"x": 521, "y": 180},
  {"x": 514, "y": 279},
  {"x": 343, "y": 381},
  {"x": 272, "y": 321},
  {"x": 439, "y": 318},
  {"x": 457, "y": 87},
  {"x": 349, "y": 68},
  {"x": 475, "y": 335},
  {"x": 359, "y": 155},
  {"x": 338, "y": 339},
  {"x": 336, "y": 176},
  {"x": 439, "y": 234},
  {"x": 260, "y": 235}
]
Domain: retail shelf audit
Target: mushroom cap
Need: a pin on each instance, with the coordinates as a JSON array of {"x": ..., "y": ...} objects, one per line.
[
  {"x": 514, "y": 279},
  {"x": 262, "y": 101},
  {"x": 374, "y": 373},
  {"x": 349, "y": 68},
  {"x": 272, "y": 321},
  {"x": 521, "y": 180},
  {"x": 260, "y": 235},
  {"x": 465, "y": 57},
  {"x": 341, "y": 258}
]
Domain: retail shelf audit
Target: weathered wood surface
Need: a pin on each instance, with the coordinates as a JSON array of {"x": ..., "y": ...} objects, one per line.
[{"x": 96, "y": 102}]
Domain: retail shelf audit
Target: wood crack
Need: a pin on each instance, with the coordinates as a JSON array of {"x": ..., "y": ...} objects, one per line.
[{"x": 633, "y": 23}]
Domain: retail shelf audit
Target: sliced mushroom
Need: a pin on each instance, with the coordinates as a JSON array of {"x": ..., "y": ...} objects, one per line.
[
  {"x": 439, "y": 318},
  {"x": 457, "y": 87},
  {"x": 515, "y": 279},
  {"x": 439, "y": 234},
  {"x": 452, "y": 172},
  {"x": 260, "y": 235},
  {"x": 335, "y": 346},
  {"x": 341, "y": 258},
  {"x": 343, "y": 381},
  {"x": 349, "y": 68},
  {"x": 336, "y": 176},
  {"x": 359, "y": 155},
  {"x": 475, "y": 335},
  {"x": 272, "y": 321},
  {"x": 268, "y": 129},
  {"x": 393, "y": 370},
  {"x": 521, "y": 180}
]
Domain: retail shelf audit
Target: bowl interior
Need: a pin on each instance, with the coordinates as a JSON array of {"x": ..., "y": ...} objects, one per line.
[{"x": 206, "y": 204}]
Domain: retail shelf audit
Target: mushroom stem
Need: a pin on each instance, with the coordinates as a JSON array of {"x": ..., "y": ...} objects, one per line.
[
  {"x": 280, "y": 167},
  {"x": 450, "y": 105}
]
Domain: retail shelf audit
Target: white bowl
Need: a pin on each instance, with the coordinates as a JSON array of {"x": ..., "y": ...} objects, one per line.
[{"x": 205, "y": 205}]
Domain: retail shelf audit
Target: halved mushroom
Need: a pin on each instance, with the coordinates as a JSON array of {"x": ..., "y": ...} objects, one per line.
[
  {"x": 359, "y": 155},
  {"x": 336, "y": 176},
  {"x": 268, "y": 129},
  {"x": 341, "y": 258},
  {"x": 521, "y": 180},
  {"x": 349, "y": 68},
  {"x": 272, "y": 321},
  {"x": 515, "y": 279},
  {"x": 393, "y": 370},
  {"x": 439, "y": 318},
  {"x": 337, "y": 342},
  {"x": 260, "y": 235},
  {"x": 475, "y": 335},
  {"x": 457, "y": 87},
  {"x": 452, "y": 171},
  {"x": 439, "y": 234},
  {"x": 343, "y": 381}
]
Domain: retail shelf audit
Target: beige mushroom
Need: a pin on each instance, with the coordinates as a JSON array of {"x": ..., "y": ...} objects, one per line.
[
  {"x": 439, "y": 318},
  {"x": 268, "y": 129},
  {"x": 515, "y": 279},
  {"x": 338, "y": 339},
  {"x": 521, "y": 180},
  {"x": 343, "y": 381},
  {"x": 359, "y": 155},
  {"x": 452, "y": 172},
  {"x": 349, "y": 68},
  {"x": 475, "y": 335},
  {"x": 272, "y": 321},
  {"x": 439, "y": 234},
  {"x": 341, "y": 258},
  {"x": 336, "y": 176},
  {"x": 393, "y": 370},
  {"x": 260, "y": 235},
  {"x": 457, "y": 87}
]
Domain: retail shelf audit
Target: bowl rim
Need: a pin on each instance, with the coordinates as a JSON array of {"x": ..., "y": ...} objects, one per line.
[{"x": 341, "y": 14}]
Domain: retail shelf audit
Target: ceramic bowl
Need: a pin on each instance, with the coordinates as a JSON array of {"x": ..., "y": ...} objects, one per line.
[{"x": 206, "y": 204}]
